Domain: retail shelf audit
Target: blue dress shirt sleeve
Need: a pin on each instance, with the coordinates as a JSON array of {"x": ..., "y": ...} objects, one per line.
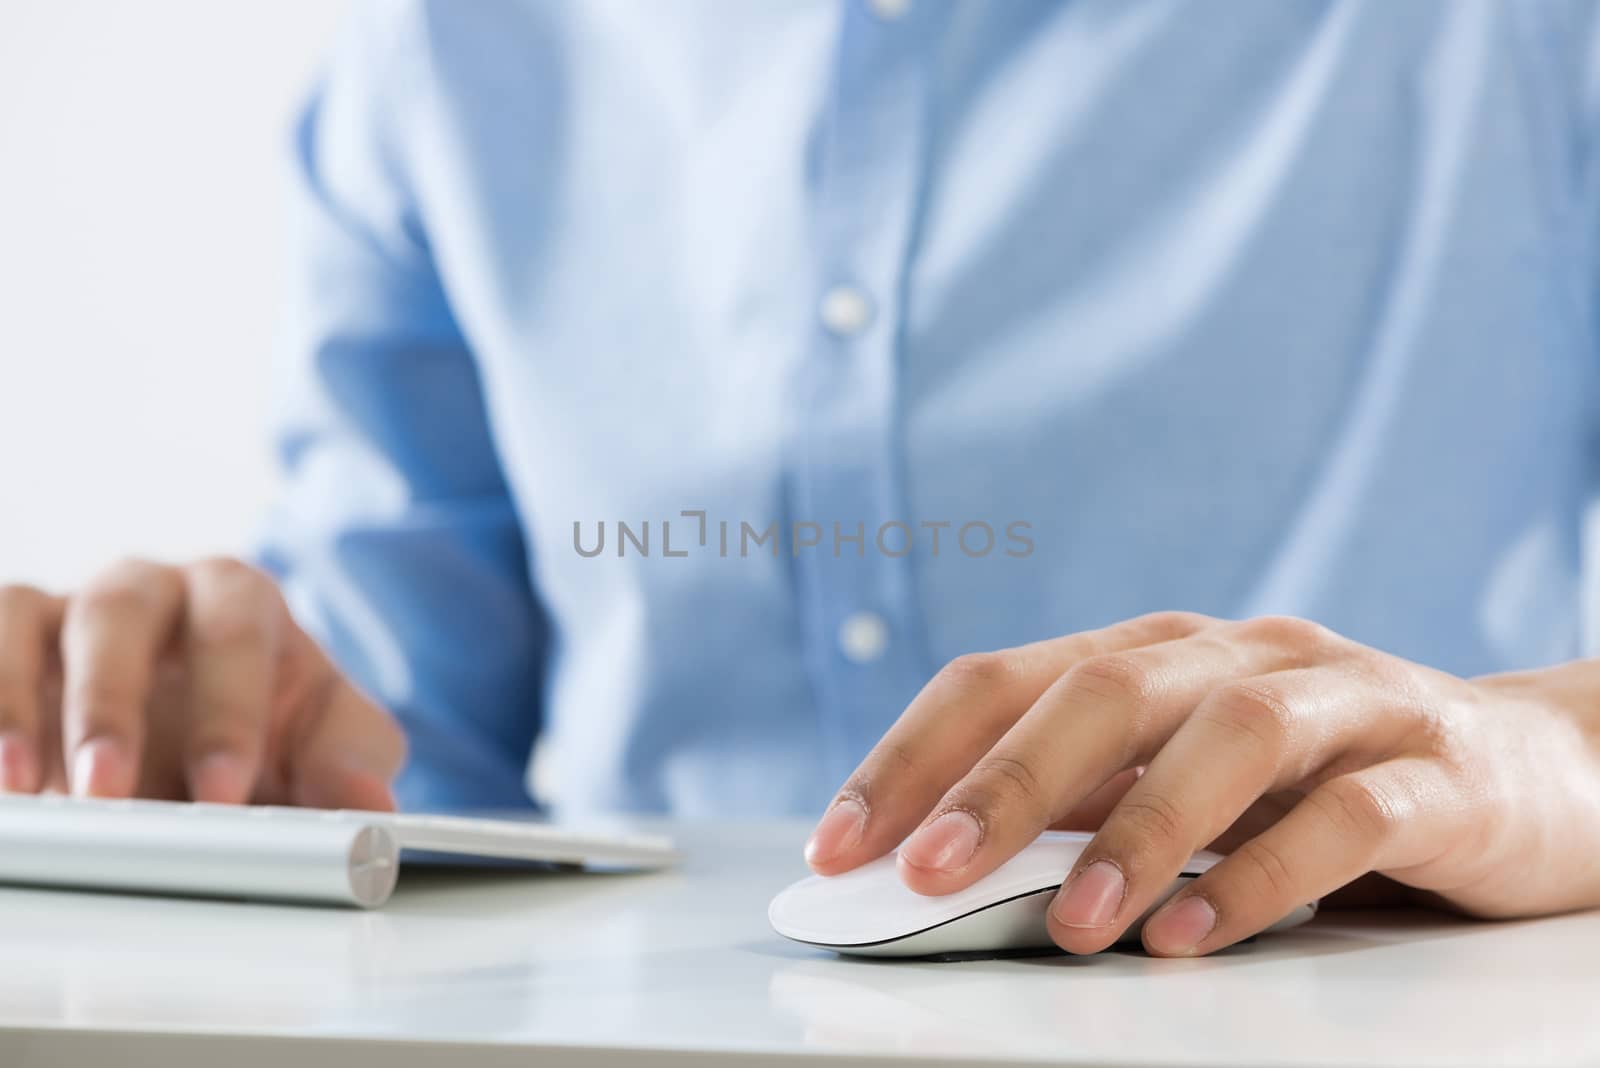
[{"x": 395, "y": 537}]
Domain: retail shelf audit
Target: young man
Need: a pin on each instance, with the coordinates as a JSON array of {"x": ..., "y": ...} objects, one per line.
[{"x": 678, "y": 386}]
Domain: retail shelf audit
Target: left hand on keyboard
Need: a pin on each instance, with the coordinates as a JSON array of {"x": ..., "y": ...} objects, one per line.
[{"x": 183, "y": 683}]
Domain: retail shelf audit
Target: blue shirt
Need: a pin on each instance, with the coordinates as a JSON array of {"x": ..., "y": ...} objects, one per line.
[{"x": 1266, "y": 307}]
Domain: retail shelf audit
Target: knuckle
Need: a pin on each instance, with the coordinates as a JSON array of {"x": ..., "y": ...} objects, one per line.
[
  {"x": 1167, "y": 625},
  {"x": 231, "y": 603},
  {"x": 228, "y": 624},
  {"x": 1358, "y": 809},
  {"x": 1436, "y": 732},
  {"x": 129, "y": 572},
  {"x": 1254, "y": 711},
  {"x": 1288, "y": 633},
  {"x": 1151, "y": 817},
  {"x": 975, "y": 672},
  {"x": 1010, "y": 770},
  {"x": 1113, "y": 677},
  {"x": 231, "y": 578},
  {"x": 999, "y": 781},
  {"x": 894, "y": 758},
  {"x": 888, "y": 761},
  {"x": 108, "y": 599},
  {"x": 1265, "y": 865},
  {"x": 223, "y": 570}
]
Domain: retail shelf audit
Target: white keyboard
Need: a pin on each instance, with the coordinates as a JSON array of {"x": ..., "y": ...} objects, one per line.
[{"x": 317, "y": 856}]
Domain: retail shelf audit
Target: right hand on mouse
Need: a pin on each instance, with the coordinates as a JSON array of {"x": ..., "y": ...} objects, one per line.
[
  {"x": 190, "y": 682},
  {"x": 1314, "y": 761}
]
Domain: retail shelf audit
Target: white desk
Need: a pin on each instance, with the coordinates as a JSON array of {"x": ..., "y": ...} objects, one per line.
[{"x": 680, "y": 968}]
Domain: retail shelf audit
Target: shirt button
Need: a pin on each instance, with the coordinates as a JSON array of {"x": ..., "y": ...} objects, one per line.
[
  {"x": 845, "y": 310},
  {"x": 889, "y": 10},
  {"x": 863, "y": 637}
]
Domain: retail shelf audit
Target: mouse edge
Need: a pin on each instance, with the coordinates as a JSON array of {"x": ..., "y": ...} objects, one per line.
[{"x": 846, "y": 947}]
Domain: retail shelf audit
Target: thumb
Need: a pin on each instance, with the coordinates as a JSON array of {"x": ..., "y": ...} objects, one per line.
[{"x": 347, "y": 754}]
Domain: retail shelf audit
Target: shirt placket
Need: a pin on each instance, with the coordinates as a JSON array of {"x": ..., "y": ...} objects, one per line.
[{"x": 855, "y": 586}]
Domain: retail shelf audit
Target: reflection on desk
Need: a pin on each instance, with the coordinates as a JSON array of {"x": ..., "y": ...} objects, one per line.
[{"x": 574, "y": 965}]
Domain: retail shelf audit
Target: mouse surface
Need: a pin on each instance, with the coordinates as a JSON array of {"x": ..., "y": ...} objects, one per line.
[{"x": 870, "y": 912}]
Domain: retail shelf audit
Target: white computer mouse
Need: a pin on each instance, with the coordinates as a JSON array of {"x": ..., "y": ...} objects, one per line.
[{"x": 870, "y": 912}]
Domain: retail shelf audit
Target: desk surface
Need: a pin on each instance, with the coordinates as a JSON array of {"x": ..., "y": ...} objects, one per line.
[{"x": 681, "y": 966}]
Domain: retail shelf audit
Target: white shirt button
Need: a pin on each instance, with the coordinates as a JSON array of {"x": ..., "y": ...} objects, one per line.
[
  {"x": 863, "y": 637},
  {"x": 845, "y": 310},
  {"x": 889, "y": 10}
]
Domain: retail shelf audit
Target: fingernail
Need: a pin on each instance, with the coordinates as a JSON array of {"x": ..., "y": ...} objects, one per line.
[
  {"x": 839, "y": 829},
  {"x": 946, "y": 844},
  {"x": 219, "y": 777},
  {"x": 1092, "y": 897},
  {"x": 101, "y": 768},
  {"x": 19, "y": 769},
  {"x": 1180, "y": 927}
]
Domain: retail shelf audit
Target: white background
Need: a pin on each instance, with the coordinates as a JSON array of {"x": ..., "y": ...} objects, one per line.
[{"x": 142, "y": 156}]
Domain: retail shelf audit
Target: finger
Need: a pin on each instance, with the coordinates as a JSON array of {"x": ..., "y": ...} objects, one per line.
[
  {"x": 343, "y": 751},
  {"x": 1106, "y": 714},
  {"x": 111, "y": 636},
  {"x": 1092, "y": 811},
  {"x": 1245, "y": 739},
  {"x": 1350, "y": 825},
  {"x": 29, "y": 620},
  {"x": 233, "y": 626},
  {"x": 956, "y": 718}
]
